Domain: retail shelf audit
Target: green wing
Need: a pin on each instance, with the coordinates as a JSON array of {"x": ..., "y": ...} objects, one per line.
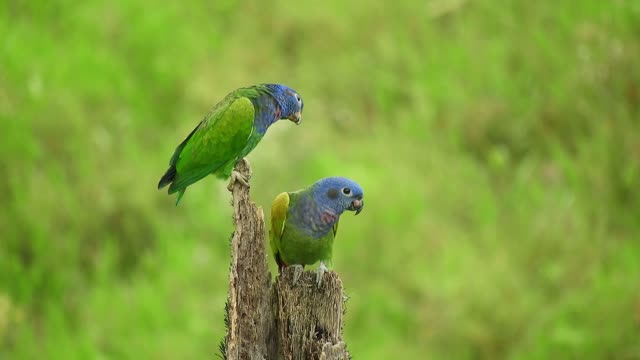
[
  {"x": 215, "y": 142},
  {"x": 279, "y": 210}
]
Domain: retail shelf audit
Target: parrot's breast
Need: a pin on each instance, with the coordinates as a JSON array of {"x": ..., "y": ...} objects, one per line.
[
  {"x": 312, "y": 219},
  {"x": 300, "y": 248}
]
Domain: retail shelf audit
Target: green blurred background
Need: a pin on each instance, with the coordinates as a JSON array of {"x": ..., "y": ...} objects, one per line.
[{"x": 498, "y": 144}]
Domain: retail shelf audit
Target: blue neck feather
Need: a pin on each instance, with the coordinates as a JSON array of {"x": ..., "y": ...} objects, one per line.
[
  {"x": 267, "y": 112},
  {"x": 311, "y": 217}
]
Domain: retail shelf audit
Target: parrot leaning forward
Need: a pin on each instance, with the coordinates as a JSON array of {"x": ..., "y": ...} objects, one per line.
[
  {"x": 304, "y": 223},
  {"x": 228, "y": 133}
]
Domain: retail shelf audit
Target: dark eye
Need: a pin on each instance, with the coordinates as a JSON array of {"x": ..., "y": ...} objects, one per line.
[
  {"x": 346, "y": 191},
  {"x": 298, "y": 98}
]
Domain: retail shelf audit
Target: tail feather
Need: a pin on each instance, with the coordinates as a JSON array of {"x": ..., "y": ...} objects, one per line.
[
  {"x": 180, "y": 193},
  {"x": 168, "y": 177},
  {"x": 280, "y": 262}
]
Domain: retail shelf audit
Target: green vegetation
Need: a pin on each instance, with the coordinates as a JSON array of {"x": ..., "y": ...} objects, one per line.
[{"x": 498, "y": 144}]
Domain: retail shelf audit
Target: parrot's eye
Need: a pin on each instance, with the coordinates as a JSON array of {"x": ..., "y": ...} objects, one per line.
[
  {"x": 346, "y": 191},
  {"x": 298, "y": 97}
]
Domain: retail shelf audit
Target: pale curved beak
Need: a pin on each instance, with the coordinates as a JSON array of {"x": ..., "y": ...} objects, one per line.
[
  {"x": 296, "y": 118},
  {"x": 357, "y": 205}
]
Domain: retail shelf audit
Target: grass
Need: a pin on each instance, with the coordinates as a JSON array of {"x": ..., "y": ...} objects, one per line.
[{"x": 498, "y": 146}]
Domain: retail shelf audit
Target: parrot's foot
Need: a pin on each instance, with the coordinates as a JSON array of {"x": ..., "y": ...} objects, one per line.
[
  {"x": 236, "y": 176},
  {"x": 297, "y": 271},
  {"x": 320, "y": 273}
]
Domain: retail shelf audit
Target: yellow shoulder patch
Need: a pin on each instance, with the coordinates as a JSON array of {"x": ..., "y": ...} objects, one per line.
[{"x": 279, "y": 209}]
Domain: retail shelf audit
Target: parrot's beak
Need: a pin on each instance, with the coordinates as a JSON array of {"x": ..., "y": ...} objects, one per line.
[
  {"x": 357, "y": 205},
  {"x": 296, "y": 118}
]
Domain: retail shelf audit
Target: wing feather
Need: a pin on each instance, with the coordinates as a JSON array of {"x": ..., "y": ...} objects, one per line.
[
  {"x": 217, "y": 140},
  {"x": 279, "y": 210}
]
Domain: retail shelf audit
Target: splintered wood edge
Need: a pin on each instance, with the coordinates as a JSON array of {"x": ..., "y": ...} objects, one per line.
[
  {"x": 310, "y": 318},
  {"x": 247, "y": 218}
]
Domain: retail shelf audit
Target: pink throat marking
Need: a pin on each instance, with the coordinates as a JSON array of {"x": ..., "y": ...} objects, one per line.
[{"x": 328, "y": 217}]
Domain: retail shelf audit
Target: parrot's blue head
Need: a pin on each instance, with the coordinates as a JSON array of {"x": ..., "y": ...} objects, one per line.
[
  {"x": 290, "y": 102},
  {"x": 339, "y": 194}
]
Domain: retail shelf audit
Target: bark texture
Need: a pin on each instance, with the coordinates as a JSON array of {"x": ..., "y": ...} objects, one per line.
[{"x": 276, "y": 320}]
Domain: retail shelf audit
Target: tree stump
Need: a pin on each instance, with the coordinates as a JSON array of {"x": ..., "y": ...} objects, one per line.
[{"x": 276, "y": 320}]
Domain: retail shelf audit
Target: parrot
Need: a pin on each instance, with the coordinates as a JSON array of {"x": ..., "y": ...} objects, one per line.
[
  {"x": 304, "y": 223},
  {"x": 229, "y": 132}
]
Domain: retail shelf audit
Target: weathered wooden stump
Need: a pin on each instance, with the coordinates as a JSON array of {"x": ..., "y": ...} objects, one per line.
[{"x": 276, "y": 320}]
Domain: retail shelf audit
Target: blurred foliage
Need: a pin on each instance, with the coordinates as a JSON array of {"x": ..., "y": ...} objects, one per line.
[{"x": 498, "y": 144}]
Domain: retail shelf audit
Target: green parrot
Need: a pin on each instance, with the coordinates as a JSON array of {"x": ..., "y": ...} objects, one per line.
[
  {"x": 304, "y": 223},
  {"x": 228, "y": 133}
]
